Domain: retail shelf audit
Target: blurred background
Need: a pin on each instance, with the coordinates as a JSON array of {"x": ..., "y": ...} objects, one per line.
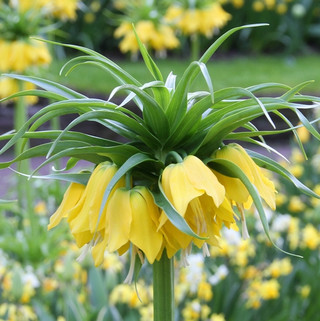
[{"x": 40, "y": 278}]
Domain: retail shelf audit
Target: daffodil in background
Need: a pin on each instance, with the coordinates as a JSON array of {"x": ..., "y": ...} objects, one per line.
[{"x": 177, "y": 181}]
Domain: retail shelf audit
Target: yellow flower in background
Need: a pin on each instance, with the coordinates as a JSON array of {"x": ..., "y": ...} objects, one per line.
[
  {"x": 279, "y": 267},
  {"x": 204, "y": 291},
  {"x": 297, "y": 156},
  {"x": 214, "y": 17},
  {"x": 49, "y": 284},
  {"x": 27, "y": 293},
  {"x": 269, "y": 289},
  {"x": 9, "y": 86},
  {"x": 112, "y": 262},
  {"x": 303, "y": 134},
  {"x": 296, "y": 204},
  {"x": 280, "y": 199},
  {"x": 146, "y": 313},
  {"x": 196, "y": 194},
  {"x": 293, "y": 233},
  {"x": 258, "y": 6},
  {"x": 310, "y": 237},
  {"x": 304, "y": 291},
  {"x": 61, "y": 9},
  {"x": 203, "y": 21},
  {"x": 159, "y": 37},
  {"x": 217, "y": 317},
  {"x": 235, "y": 190},
  {"x": 281, "y": 8},
  {"x": 297, "y": 170},
  {"x": 19, "y": 55}
]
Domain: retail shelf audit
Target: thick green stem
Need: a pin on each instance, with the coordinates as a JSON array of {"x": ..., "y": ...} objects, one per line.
[
  {"x": 163, "y": 289},
  {"x": 195, "y": 47}
]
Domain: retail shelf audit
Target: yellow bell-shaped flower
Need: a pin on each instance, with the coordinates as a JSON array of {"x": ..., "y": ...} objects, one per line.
[
  {"x": 196, "y": 194},
  {"x": 131, "y": 217},
  {"x": 70, "y": 199},
  {"x": 84, "y": 220},
  {"x": 235, "y": 190}
]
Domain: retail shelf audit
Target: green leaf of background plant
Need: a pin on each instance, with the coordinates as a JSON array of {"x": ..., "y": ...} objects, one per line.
[
  {"x": 49, "y": 85},
  {"x": 35, "y": 92}
]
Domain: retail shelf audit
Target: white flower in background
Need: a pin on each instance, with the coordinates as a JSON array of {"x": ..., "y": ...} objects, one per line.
[
  {"x": 298, "y": 10},
  {"x": 220, "y": 274},
  {"x": 281, "y": 223},
  {"x": 194, "y": 271},
  {"x": 231, "y": 236},
  {"x": 30, "y": 277}
]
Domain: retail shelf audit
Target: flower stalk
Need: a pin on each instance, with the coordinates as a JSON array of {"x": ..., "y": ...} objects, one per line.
[
  {"x": 23, "y": 188},
  {"x": 163, "y": 289}
]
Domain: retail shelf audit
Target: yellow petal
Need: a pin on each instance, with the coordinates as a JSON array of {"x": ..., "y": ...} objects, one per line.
[
  {"x": 235, "y": 190},
  {"x": 143, "y": 231},
  {"x": 236, "y": 154},
  {"x": 119, "y": 218},
  {"x": 177, "y": 185},
  {"x": 70, "y": 199},
  {"x": 203, "y": 179},
  {"x": 98, "y": 252}
]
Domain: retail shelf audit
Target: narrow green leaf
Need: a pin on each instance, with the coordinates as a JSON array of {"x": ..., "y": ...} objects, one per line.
[
  {"x": 42, "y": 150},
  {"x": 38, "y": 93},
  {"x": 80, "y": 178},
  {"x": 307, "y": 124},
  {"x": 212, "y": 49},
  {"x": 49, "y": 85},
  {"x": 292, "y": 92},
  {"x": 268, "y": 163},
  {"x": 94, "y": 154},
  {"x": 151, "y": 65}
]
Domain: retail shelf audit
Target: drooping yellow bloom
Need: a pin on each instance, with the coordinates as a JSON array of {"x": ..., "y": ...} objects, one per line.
[
  {"x": 19, "y": 55},
  {"x": 132, "y": 217},
  {"x": 196, "y": 194},
  {"x": 235, "y": 190},
  {"x": 61, "y": 9},
  {"x": 203, "y": 21},
  {"x": 70, "y": 200},
  {"x": 159, "y": 38},
  {"x": 86, "y": 222}
]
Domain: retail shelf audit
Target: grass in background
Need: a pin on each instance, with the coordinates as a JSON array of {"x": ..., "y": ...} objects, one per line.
[{"x": 239, "y": 71}]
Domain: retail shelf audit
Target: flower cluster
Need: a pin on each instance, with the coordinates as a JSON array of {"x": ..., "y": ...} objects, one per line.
[
  {"x": 203, "y": 17},
  {"x": 64, "y": 10},
  {"x": 194, "y": 190},
  {"x": 20, "y": 20},
  {"x": 152, "y": 29},
  {"x": 279, "y": 7},
  {"x": 159, "y": 37}
]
